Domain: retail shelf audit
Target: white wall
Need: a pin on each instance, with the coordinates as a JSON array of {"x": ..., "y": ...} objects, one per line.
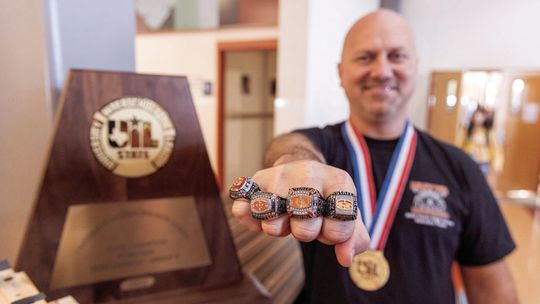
[
  {"x": 463, "y": 34},
  {"x": 194, "y": 54},
  {"x": 311, "y": 39},
  {"x": 208, "y": 13},
  {"x": 24, "y": 117},
  {"x": 95, "y": 34},
  {"x": 292, "y": 65}
]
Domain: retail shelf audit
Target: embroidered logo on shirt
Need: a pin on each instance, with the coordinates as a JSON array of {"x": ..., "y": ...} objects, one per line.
[{"x": 429, "y": 205}]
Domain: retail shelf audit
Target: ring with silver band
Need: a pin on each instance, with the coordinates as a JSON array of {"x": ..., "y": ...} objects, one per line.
[
  {"x": 267, "y": 206},
  {"x": 342, "y": 205},
  {"x": 243, "y": 187},
  {"x": 304, "y": 202}
]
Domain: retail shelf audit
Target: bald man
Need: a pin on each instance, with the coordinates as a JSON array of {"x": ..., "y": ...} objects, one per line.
[{"x": 422, "y": 203}]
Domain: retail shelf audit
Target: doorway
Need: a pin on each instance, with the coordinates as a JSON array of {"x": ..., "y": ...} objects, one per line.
[
  {"x": 511, "y": 101},
  {"x": 246, "y": 93}
]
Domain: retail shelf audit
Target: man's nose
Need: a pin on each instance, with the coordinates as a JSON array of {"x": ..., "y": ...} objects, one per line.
[{"x": 381, "y": 68}]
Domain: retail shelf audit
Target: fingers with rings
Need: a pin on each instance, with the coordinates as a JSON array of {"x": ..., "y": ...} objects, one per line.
[
  {"x": 243, "y": 187},
  {"x": 267, "y": 206},
  {"x": 342, "y": 205},
  {"x": 241, "y": 191},
  {"x": 305, "y": 202},
  {"x": 341, "y": 208},
  {"x": 305, "y": 206}
]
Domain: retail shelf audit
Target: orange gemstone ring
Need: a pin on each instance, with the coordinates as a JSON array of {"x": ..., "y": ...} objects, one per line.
[
  {"x": 304, "y": 202},
  {"x": 243, "y": 187},
  {"x": 267, "y": 206}
]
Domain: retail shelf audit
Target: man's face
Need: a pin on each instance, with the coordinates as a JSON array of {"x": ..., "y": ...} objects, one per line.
[{"x": 378, "y": 69}]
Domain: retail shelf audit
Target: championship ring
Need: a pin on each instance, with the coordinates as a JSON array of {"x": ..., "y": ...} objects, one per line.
[
  {"x": 266, "y": 205},
  {"x": 341, "y": 205},
  {"x": 370, "y": 270},
  {"x": 304, "y": 202},
  {"x": 243, "y": 187}
]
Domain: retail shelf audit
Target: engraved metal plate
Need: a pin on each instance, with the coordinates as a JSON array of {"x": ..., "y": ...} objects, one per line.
[{"x": 108, "y": 241}]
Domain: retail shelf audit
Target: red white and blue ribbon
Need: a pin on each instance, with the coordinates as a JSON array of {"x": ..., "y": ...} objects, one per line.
[{"x": 378, "y": 211}]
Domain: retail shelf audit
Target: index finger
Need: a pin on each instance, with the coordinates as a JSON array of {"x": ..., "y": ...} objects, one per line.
[{"x": 242, "y": 212}]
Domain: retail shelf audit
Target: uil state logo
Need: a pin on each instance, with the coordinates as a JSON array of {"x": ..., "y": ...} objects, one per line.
[{"x": 132, "y": 136}]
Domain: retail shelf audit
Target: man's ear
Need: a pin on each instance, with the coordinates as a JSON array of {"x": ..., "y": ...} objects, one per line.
[{"x": 340, "y": 70}]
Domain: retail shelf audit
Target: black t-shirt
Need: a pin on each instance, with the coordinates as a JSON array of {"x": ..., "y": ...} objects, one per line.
[{"x": 447, "y": 213}]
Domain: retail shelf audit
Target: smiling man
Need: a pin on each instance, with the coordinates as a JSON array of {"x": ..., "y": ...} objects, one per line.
[
  {"x": 422, "y": 203},
  {"x": 378, "y": 73}
]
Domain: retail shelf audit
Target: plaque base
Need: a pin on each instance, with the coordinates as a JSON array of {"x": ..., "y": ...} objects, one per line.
[{"x": 246, "y": 291}]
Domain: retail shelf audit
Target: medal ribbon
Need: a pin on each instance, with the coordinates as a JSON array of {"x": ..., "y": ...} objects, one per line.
[{"x": 378, "y": 214}]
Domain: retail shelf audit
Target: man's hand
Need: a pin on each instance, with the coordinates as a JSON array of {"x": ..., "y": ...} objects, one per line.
[{"x": 349, "y": 237}]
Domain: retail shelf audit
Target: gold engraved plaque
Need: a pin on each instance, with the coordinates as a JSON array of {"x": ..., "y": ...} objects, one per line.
[
  {"x": 370, "y": 270},
  {"x": 107, "y": 241},
  {"x": 132, "y": 136}
]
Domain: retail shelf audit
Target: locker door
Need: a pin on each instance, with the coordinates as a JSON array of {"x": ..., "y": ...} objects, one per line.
[
  {"x": 444, "y": 106},
  {"x": 522, "y": 145}
]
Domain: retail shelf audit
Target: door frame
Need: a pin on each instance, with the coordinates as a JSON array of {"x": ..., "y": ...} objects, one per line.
[{"x": 222, "y": 48}]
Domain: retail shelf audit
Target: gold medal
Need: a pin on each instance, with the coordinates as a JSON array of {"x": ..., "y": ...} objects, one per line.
[{"x": 370, "y": 270}]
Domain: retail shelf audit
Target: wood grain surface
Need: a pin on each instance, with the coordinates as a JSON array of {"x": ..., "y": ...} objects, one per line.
[{"x": 73, "y": 175}]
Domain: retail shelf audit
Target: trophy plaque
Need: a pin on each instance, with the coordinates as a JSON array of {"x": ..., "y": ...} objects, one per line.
[{"x": 128, "y": 206}]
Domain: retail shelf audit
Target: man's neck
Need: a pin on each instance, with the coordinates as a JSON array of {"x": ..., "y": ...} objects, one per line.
[{"x": 379, "y": 129}]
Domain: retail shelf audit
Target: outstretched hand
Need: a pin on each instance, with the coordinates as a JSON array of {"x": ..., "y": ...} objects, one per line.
[{"x": 349, "y": 237}]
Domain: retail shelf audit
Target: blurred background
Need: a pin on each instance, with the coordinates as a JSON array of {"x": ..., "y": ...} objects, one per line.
[{"x": 260, "y": 68}]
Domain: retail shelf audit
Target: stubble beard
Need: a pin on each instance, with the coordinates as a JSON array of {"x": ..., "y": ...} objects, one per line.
[{"x": 380, "y": 110}]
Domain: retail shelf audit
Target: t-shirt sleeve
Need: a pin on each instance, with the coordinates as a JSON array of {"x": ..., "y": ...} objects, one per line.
[{"x": 485, "y": 236}]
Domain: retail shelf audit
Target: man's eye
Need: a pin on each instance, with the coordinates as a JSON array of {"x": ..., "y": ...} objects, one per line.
[
  {"x": 363, "y": 58},
  {"x": 397, "y": 56}
]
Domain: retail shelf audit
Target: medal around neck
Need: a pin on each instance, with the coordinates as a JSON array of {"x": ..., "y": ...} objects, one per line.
[{"x": 370, "y": 270}]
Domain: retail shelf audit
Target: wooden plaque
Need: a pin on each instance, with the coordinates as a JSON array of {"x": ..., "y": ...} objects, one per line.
[{"x": 126, "y": 164}]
